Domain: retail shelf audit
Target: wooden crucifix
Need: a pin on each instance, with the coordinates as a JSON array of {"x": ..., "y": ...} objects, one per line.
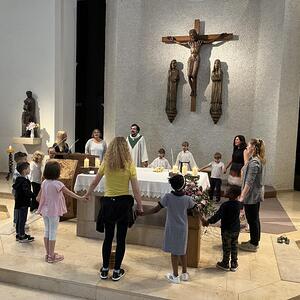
[{"x": 194, "y": 41}]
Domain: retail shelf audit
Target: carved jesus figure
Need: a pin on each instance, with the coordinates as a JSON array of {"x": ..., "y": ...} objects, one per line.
[{"x": 194, "y": 60}]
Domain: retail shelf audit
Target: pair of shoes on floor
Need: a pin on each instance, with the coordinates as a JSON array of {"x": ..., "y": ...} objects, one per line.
[
  {"x": 55, "y": 258},
  {"x": 248, "y": 247},
  {"x": 283, "y": 239},
  {"x": 225, "y": 266},
  {"x": 116, "y": 276},
  {"x": 172, "y": 278},
  {"x": 25, "y": 239}
]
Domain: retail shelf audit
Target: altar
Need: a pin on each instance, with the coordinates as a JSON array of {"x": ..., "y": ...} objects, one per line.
[{"x": 147, "y": 230}]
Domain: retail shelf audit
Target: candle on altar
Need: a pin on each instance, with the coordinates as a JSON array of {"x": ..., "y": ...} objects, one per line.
[
  {"x": 184, "y": 170},
  {"x": 175, "y": 169},
  {"x": 195, "y": 171},
  {"x": 86, "y": 163},
  {"x": 97, "y": 162}
]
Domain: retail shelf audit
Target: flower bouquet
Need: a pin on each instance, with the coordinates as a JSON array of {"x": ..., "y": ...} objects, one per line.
[
  {"x": 30, "y": 127},
  {"x": 201, "y": 197}
]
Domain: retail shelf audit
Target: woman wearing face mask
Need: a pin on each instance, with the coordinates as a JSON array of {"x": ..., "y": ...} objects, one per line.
[{"x": 253, "y": 190}]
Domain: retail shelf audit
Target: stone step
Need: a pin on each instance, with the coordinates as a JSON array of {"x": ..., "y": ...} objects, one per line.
[{"x": 62, "y": 278}]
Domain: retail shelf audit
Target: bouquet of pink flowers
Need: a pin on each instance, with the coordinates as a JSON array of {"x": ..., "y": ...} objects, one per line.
[{"x": 200, "y": 197}]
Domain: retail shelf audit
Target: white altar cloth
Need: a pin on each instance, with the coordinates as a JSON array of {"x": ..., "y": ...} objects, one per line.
[{"x": 151, "y": 184}]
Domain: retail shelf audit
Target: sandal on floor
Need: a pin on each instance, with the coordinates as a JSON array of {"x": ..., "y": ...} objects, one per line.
[
  {"x": 56, "y": 258},
  {"x": 47, "y": 256}
]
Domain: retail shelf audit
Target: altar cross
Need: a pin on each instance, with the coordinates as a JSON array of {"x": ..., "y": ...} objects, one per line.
[{"x": 194, "y": 41}]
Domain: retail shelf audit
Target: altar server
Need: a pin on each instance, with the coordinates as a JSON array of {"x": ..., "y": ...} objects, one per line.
[
  {"x": 160, "y": 161},
  {"x": 185, "y": 157},
  {"x": 137, "y": 147}
]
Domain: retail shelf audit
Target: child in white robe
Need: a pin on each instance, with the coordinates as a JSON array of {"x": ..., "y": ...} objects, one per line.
[
  {"x": 160, "y": 161},
  {"x": 185, "y": 157}
]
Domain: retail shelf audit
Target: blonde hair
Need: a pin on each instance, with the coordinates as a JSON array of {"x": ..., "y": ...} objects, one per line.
[
  {"x": 117, "y": 155},
  {"x": 259, "y": 149},
  {"x": 60, "y": 135},
  {"x": 37, "y": 155}
]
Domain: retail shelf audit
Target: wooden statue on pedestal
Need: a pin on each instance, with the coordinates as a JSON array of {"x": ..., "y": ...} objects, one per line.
[
  {"x": 216, "y": 93},
  {"x": 173, "y": 79}
]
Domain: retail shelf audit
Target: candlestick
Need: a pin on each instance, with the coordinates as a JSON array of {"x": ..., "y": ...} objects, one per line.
[
  {"x": 10, "y": 152},
  {"x": 86, "y": 163},
  {"x": 97, "y": 162},
  {"x": 172, "y": 157},
  {"x": 195, "y": 171},
  {"x": 184, "y": 170}
]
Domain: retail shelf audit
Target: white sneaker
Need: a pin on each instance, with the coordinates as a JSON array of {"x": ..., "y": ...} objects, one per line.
[
  {"x": 173, "y": 278},
  {"x": 185, "y": 276}
]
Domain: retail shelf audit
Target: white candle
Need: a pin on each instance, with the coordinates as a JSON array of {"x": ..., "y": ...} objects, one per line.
[
  {"x": 9, "y": 147},
  {"x": 86, "y": 163},
  {"x": 195, "y": 171},
  {"x": 97, "y": 162},
  {"x": 184, "y": 170},
  {"x": 175, "y": 169}
]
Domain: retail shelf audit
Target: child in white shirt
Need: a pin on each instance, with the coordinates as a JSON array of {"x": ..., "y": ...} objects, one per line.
[
  {"x": 36, "y": 177},
  {"x": 185, "y": 157},
  {"x": 160, "y": 161},
  {"x": 217, "y": 169}
]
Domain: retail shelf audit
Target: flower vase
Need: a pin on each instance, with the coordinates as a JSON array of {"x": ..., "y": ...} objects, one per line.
[{"x": 32, "y": 133}]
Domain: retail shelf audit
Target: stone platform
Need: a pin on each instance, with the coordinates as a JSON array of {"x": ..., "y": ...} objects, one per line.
[{"x": 258, "y": 275}]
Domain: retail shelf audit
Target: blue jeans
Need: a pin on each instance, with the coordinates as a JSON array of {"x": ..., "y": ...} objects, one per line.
[{"x": 21, "y": 220}]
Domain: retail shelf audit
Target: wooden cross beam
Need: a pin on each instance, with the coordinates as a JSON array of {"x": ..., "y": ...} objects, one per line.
[{"x": 194, "y": 41}]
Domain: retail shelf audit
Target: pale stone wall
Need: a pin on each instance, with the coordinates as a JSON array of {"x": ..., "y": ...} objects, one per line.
[{"x": 254, "y": 66}]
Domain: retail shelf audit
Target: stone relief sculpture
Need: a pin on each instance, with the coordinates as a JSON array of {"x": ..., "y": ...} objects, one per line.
[
  {"x": 173, "y": 79},
  {"x": 216, "y": 93},
  {"x": 28, "y": 114}
]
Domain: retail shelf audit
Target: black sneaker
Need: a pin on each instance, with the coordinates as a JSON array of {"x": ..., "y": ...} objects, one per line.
[
  {"x": 103, "y": 273},
  {"x": 223, "y": 266},
  {"x": 117, "y": 275},
  {"x": 26, "y": 239},
  {"x": 233, "y": 266},
  {"x": 17, "y": 237}
]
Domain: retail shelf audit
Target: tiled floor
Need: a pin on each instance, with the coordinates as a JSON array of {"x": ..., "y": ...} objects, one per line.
[{"x": 258, "y": 276}]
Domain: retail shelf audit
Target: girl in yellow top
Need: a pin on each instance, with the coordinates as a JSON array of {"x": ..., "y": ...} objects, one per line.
[{"x": 118, "y": 169}]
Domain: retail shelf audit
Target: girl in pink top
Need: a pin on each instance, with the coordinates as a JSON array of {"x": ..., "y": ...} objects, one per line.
[{"x": 52, "y": 205}]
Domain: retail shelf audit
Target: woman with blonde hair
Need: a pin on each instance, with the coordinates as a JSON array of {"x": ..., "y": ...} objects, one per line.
[
  {"x": 36, "y": 177},
  {"x": 117, "y": 203},
  {"x": 60, "y": 144},
  {"x": 253, "y": 190}
]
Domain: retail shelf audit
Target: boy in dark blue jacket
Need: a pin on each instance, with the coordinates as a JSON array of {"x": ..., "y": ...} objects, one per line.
[
  {"x": 229, "y": 214},
  {"x": 23, "y": 196}
]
